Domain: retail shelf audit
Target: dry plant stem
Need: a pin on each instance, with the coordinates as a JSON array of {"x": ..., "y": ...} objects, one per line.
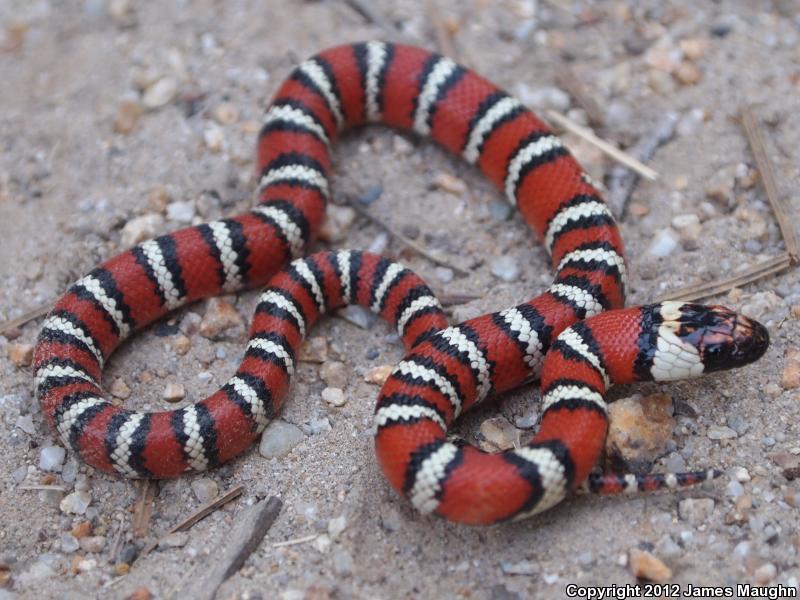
[
  {"x": 404, "y": 240},
  {"x": 143, "y": 510},
  {"x": 198, "y": 515},
  {"x": 764, "y": 164},
  {"x": 240, "y": 542},
  {"x": 567, "y": 79},
  {"x": 758, "y": 271},
  {"x": 444, "y": 40},
  {"x": 622, "y": 181},
  {"x": 25, "y": 318},
  {"x": 607, "y": 148}
]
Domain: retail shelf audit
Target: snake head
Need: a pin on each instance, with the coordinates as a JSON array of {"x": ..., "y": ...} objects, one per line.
[{"x": 724, "y": 339}]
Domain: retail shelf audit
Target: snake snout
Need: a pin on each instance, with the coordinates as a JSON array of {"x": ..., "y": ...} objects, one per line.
[{"x": 731, "y": 340}]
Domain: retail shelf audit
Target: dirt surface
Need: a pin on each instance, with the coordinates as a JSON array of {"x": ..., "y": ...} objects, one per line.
[{"x": 70, "y": 181}]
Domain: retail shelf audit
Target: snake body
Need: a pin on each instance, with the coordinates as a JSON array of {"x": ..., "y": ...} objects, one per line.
[{"x": 576, "y": 336}]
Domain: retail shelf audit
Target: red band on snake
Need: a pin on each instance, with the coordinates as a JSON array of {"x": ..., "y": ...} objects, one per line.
[{"x": 563, "y": 335}]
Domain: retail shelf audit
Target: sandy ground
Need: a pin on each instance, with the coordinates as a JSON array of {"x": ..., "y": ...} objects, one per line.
[{"x": 69, "y": 183}]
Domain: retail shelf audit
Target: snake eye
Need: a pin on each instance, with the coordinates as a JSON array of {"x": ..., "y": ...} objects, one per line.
[{"x": 727, "y": 339}]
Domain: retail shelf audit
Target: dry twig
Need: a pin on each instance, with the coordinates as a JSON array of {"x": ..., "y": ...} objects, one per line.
[
  {"x": 197, "y": 515},
  {"x": 756, "y": 140},
  {"x": 607, "y": 148},
  {"x": 408, "y": 242},
  {"x": 241, "y": 541},
  {"x": 444, "y": 39},
  {"x": 143, "y": 510},
  {"x": 25, "y": 318},
  {"x": 296, "y": 541}
]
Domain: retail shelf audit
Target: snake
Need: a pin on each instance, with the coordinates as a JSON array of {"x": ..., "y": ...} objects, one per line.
[{"x": 577, "y": 337}]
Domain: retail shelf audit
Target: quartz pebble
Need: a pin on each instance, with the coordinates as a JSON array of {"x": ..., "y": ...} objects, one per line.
[
  {"x": 160, "y": 93},
  {"x": 765, "y": 573},
  {"x": 174, "y": 392},
  {"x": 334, "y": 374},
  {"x": 334, "y": 396},
  {"x": 717, "y": 432},
  {"x": 498, "y": 434},
  {"x": 119, "y": 389},
  {"x": 664, "y": 243},
  {"x": 314, "y": 350},
  {"x": 25, "y": 423},
  {"x": 695, "y": 510},
  {"x": 93, "y": 543},
  {"x": 505, "y": 268},
  {"x": 450, "y": 183},
  {"x": 219, "y": 317},
  {"x": 279, "y": 438},
  {"x": 51, "y": 458},
  {"x": 176, "y": 539},
  {"x": 20, "y": 354},
  {"x": 181, "y": 212},
  {"x": 205, "y": 489},
  {"x": 141, "y": 228},
  {"x": 76, "y": 503},
  {"x": 378, "y": 375},
  {"x": 645, "y": 565},
  {"x": 338, "y": 220},
  {"x": 336, "y": 526}
]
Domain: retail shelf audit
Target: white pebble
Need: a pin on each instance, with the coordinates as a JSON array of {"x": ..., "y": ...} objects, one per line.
[
  {"x": 334, "y": 396},
  {"x": 52, "y": 458},
  {"x": 505, "y": 268},
  {"x": 664, "y": 243},
  {"x": 25, "y": 423},
  {"x": 279, "y": 438},
  {"x": 75, "y": 503},
  {"x": 182, "y": 212},
  {"x": 160, "y": 93}
]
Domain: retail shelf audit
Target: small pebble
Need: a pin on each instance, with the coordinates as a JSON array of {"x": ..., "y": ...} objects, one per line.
[
  {"x": 378, "y": 375},
  {"x": 645, "y": 565},
  {"x": 174, "y": 392},
  {"x": 716, "y": 432},
  {"x": 76, "y": 503},
  {"x": 342, "y": 562},
  {"x": 450, "y": 183},
  {"x": 505, "y": 268},
  {"x": 51, "y": 458},
  {"x": 141, "y": 228},
  {"x": 219, "y": 316},
  {"x": 357, "y": 315},
  {"x": 667, "y": 547},
  {"x": 93, "y": 543},
  {"x": 176, "y": 539},
  {"x": 214, "y": 138},
  {"x": 500, "y": 210},
  {"x": 372, "y": 194},
  {"x": 314, "y": 350},
  {"x": 334, "y": 374},
  {"x": 444, "y": 274},
  {"x": 523, "y": 567},
  {"x": 226, "y": 113},
  {"x": 68, "y": 543},
  {"x": 338, "y": 220},
  {"x": 25, "y": 423},
  {"x": 734, "y": 489},
  {"x": 20, "y": 354},
  {"x": 688, "y": 73},
  {"x": 391, "y": 520},
  {"x": 336, "y": 526},
  {"x": 158, "y": 198},
  {"x": 205, "y": 489},
  {"x": 127, "y": 117},
  {"x": 695, "y": 510},
  {"x": 543, "y": 97},
  {"x": 119, "y": 389},
  {"x": 790, "y": 378},
  {"x": 82, "y": 529},
  {"x": 160, "y": 93},
  {"x": 181, "y": 212},
  {"x": 181, "y": 345},
  {"x": 279, "y": 438},
  {"x": 664, "y": 243},
  {"x": 333, "y": 396},
  {"x": 765, "y": 574},
  {"x": 498, "y": 433}
]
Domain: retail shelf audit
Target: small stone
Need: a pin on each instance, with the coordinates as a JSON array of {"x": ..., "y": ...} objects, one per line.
[
  {"x": 314, "y": 350},
  {"x": 181, "y": 212},
  {"x": 122, "y": 13},
  {"x": 505, "y": 268},
  {"x": 788, "y": 463},
  {"x": 25, "y": 423},
  {"x": 322, "y": 543},
  {"x": 690, "y": 122},
  {"x": 214, "y": 138},
  {"x": 51, "y": 458},
  {"x": 141, "y": 228},
  {"x": 176, "y": 539},
  {"x": 741, "y": 474},
  {"x": 500, "y": 210},
  {"x": 688, "y": 73},
  {"x": 401, "y": 145},
  {"x": 76, "y": 503},
  {"x": 645, "y": 565},
  {"x": 391, "y": 520},
  {"x": 140, "y": 593},
  {"x": 734, "y": 489},
  {"x": 338, "y": 220},
  {"x": 640, "y": 430},
  {"x": 174, "y": 392},
  {"x": 667, "y": 547},
  {"x": 205, "y": 489},
  {"x": 664, "y": 243},
  {"x": 661, "y": 82},
  {"x": 372, "y": 194},
  {"x": 93, "y": 543},
  {"x": 378, "y": 375},
  {"x": 720, "y": 192},
  {"x": 82, "y": 529},
  {"x": 181, "y": 345},
  {"x": 334, "y": 396},
  {"x": 68, "y": 543},
  {"x": 450, "y": 183},
  {"x": 279, "y": 438},
  {"x": 318, "y": 424},
  {"x": 342, "y": 562},
  {"x": 695, "y": 510},
  {"x": 119, "y": 389},
  {"x": 444, "y": 274},
  {"x": 685, "y": 221},
  {"x": 542, "y": 98},
  {"x": 498, "y": 433},
  {"x": 219, "y": 316},
  {"x": 357, "y": 315},
  {"x": 21, "y": 354},
  {"x": 127, "y": 117},
  {"x": 768, "y": 307},
  {"x": 336, "y": 526},
  {"x": 717, "y": 432},
  {"x": 790, "y": 378},
  {"x": 334, "y": 374},
  {"x": 664, "y": 57},
  {"x": 694, "y": 48},
  {"x": 160, "y": 93},
  {"x": 523, "y": 567},
  {"x": 765, "y": 574},
  {"x": 638, "y": 210},
  {"x": 226, "y": 113},
  {"x": 158, "y": 198}
]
